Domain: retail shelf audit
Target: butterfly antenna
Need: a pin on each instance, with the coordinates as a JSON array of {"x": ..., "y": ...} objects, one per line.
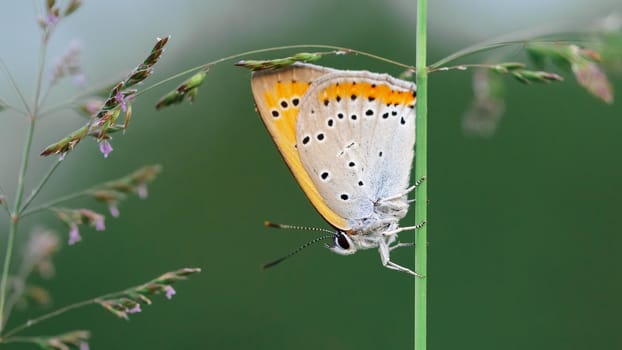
[
  {"x": 298, "y": 250},
  {"x": 293, "y": 227}
]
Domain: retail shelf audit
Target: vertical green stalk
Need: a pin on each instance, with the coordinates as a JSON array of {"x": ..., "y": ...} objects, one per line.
[
  {"x": 5, "y": 271},
  {"x": 421, "y": 169},
  {"x": 14, "y": 221},
  {"x": 15, "y": 215}
]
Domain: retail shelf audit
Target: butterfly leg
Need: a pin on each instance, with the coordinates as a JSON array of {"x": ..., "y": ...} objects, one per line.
[
  {"x": 384, "y": 250},
  {"x": 408, "y": 190},
  {"x": 399, "y": 245},
  {"x": 405, "y": 228}
]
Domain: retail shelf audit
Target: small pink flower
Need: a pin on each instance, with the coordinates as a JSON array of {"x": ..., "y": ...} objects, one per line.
[
  {"x": 51, "y": 19},
  {"x": 141, "y": 190},
  {"x": 84, "y": 346},
  {"x": 99, "y": 223},
  {"x": 114, "y": 211},
  {"x": 105, "y": 148},
  {"x": 94, "y": 219},
  {"x": 121, "y": 99},
  {"x": 169, "y": 292},
  {"x": 74, "y": 234},
  {"x": 135, "y": 309}
]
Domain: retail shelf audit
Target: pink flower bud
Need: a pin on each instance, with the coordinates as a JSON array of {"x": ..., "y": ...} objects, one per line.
[
  {"x": 135, "y": 309},
  {"x": 121, "y": 99},
  {"x": 74, "y": 234},
  {"x": 141, "y": 190},
  {"x": 105, "y": 148},
  {"x": 114, "y": 211},
  {"x": 99, "y": 223},
  {"x": 169, "y": 292}
]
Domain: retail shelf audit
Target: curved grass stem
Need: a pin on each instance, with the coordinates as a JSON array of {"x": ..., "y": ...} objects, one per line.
[
  {"x": 473, "y": 50},
  {"x": 9, "y": 334},
  {"x": 15, "y": 86},
  {"x": 37, "y": 189},
  {"x": 272, "y": 49},
  {"x": 24, "y": 340},
  {"x": 7, "y": 337},
  {"x": 55, "y": 202},
  {"x": 549, "y": 33}
]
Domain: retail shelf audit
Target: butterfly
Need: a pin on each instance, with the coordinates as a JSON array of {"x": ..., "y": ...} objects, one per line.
[{"x": 348, "y": 138}]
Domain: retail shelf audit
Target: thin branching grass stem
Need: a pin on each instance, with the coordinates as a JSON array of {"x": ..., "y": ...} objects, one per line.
[
  {"x": 37, "y": 189},
  {"x": 26, "y": 267},
  {"x": 14, "y": 221},
  {"x": 8, "y": 335},
  {"x": 15, "y": 214},
  {"x": 421, "y": 166},
  {"x": 15, "y": 87},
  {"x": 38, "y": 84},
  {"x": 54, "y": 202},
  {"x": 497, "y": 43},
  {"x": 73, "y": 102},
  {"x": 272, "y": 49},
  {"x": 5, "y": 271},
  {"x": 29, "y": 340}
]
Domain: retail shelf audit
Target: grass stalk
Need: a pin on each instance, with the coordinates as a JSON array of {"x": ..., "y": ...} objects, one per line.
[{"x": 421, "y": 167}]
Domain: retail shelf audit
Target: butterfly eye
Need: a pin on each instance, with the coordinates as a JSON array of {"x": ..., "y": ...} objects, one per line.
[{"x": 342, "y": 241}]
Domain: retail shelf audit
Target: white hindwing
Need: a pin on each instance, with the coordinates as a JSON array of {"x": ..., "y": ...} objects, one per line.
[{"x": 357, "y": 150}]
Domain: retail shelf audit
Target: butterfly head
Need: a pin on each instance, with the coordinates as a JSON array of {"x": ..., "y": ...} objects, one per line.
[{"x": 342, "y": 244}]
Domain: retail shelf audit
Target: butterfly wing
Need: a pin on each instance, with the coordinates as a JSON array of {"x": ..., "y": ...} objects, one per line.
[
  {"x": 356, "y": 138},
  {"x": 278, "y": 95}
]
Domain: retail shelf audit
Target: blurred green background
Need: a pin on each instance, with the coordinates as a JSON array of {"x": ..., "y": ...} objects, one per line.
[{"x": 524, "y": 226}]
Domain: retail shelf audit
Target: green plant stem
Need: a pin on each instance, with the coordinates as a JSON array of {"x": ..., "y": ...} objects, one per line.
[
  {"x": 466, "y": 66},
  {"x": 52, "y": 314},
  {"x": 15, "y": 87},
  {"x": 7, "y": 336},
  {"x": 7, "y": 106},
  {"x": 14, "y": 221},
  {"x": 421, "y": 165},
  {"x": 5, "y": 271},
  {"x": 37, "y": 189},
  {"x": 470, "y": 50},
  {"x": 65, "y": 198},
  {"x": 55, "y": 202},
  {"x": 26, "y": 268},
  {"x": 75, "y": 101},
  {"x": 516, "y": 38},
  {"x": 31, "y": 340},
  {"x": 271, "y": 49},
  {"x": 15, "y": 215}
]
